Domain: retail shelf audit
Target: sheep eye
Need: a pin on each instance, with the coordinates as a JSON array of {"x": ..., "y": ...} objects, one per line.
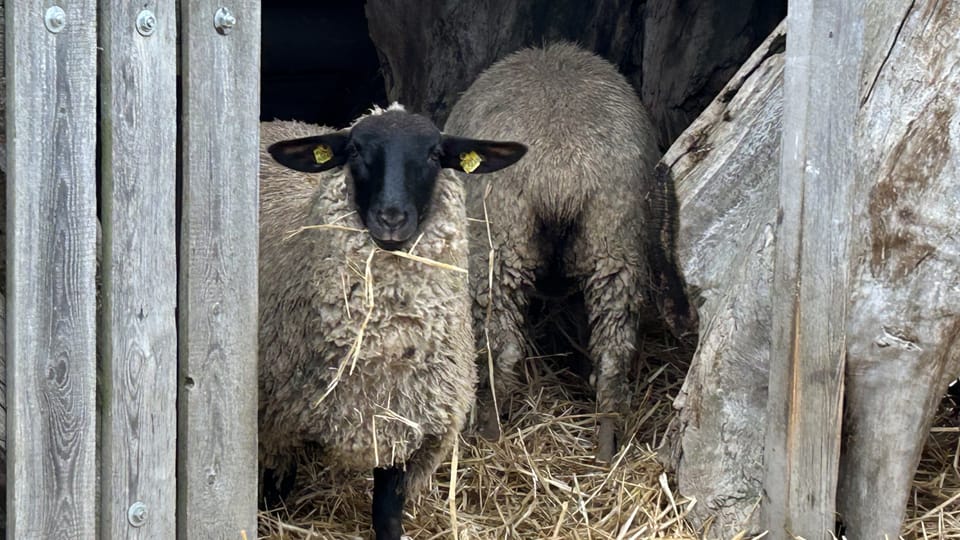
[
  {"x": 353, "y": 150},
  {"x": 436, "y": 154}
]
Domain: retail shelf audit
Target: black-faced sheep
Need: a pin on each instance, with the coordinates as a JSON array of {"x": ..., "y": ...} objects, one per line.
[
  {"x": 365, "y": 354},
  {"x": 575, "y": 201}
]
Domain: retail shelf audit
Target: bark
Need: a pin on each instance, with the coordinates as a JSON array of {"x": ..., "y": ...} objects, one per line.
[
  {"x": 726, "y": 168},
  {"x": 903, "y": 314},
  {"x": 903, "y": 327},
  {"x": 677, "y": 55}
]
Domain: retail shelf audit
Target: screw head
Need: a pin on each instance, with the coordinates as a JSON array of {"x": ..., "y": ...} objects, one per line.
[
  {"x": 137, "y": 514},
  {"x": 224, "y": 20},
  {"x": 55, "y": 19},
  {"x": 146, "y": 22}
]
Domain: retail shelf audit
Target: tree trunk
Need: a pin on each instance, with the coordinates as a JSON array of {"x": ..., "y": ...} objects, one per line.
[
  {"x": 903, "y": 314},
  {"x": 903, "y": 328},
  {"x": 677, "y": 55},
  {"x": 726, "y": 167}
]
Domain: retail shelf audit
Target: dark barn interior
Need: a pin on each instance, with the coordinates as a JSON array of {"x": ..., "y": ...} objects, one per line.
[
  {"x": 318, "y": 64},
  {"x": 328, "y": 61}
]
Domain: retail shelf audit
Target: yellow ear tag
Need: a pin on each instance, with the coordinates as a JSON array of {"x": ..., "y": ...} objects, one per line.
[
  {"x": 469, "y": 161},
  {"x": 322, "y": 154}
]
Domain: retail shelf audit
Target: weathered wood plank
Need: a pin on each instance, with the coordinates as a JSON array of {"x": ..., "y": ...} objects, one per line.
[
  {"x": 903, "y": 331},
  {"x": 139, "y": 294},
  {"x": 726, "y": 167},
  {"x": 51, "y": 226},
  {"x": 810, "y": 279},
  {"x": 217, "y": 471},
  {"x": 3, "y": 98}
]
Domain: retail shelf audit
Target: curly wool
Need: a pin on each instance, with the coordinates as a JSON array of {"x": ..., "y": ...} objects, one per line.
[
  {"x": 576, "y": 198},
  {"x": 403, "y": 396}
]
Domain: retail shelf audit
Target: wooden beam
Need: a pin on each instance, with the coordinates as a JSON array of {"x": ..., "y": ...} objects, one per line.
[
  {"x": 139, "y": 292},
  {"x": 810, "y": 283},
  {"x": 51, "y": 60},
  {"x": 217, "y": 468}
]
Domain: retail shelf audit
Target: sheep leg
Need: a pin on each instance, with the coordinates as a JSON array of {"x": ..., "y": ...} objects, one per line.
[
  {"x": 277, "y": 484},
  {"x": 613, "y": 303},
  {"x": 388, "y": 498},
  {"x": 421, "y": 465},
  {"x": 501, "y": 332}
]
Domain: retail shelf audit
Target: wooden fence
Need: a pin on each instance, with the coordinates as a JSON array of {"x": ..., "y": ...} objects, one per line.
[{"x": 165, "y": 445}]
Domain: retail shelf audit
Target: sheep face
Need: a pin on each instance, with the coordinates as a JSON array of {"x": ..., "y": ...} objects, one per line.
[{"x": 394, "y": 159}]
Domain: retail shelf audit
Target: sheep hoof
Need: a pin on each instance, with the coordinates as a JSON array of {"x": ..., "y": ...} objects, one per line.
[
  {"x": 606, "y": 441},
  {"x": 489, "y": 424}
]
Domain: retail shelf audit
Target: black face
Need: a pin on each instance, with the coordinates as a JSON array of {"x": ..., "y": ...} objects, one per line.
[{"x": 394, "y": 159}]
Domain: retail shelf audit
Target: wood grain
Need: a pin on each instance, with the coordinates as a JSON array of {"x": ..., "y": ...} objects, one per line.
[
  {"x": 811, "y": 268},
  {"x": 903, "y": 327},
  {"x": 139, "y": 288},
  {"x": 51, "y": 304},
  {"x": 726, "y": 168},
  {"x": 217, "y": 470}
]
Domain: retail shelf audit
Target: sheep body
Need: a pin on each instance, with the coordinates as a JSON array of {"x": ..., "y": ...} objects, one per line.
[
  {"x": 575, "y": 201},
  {"x": 402, "y": 398}
]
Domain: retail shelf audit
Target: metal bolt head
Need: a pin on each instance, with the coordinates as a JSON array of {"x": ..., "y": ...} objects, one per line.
[
  {"x": 146, "y": 22},
  {"x": 224, "y": 20},
  {"x": 137, "y": 514},
  {"x": 55, "y": 19}
]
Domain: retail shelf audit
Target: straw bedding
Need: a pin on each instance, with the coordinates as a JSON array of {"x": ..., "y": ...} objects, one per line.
[{"x": 540, "y": 480}]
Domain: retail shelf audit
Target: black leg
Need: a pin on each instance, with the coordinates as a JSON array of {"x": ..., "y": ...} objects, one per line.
[
  {"x": 277, "y": 484},
  {"x": 954, "y": 393},
  {"x": 388, "y": 499}
]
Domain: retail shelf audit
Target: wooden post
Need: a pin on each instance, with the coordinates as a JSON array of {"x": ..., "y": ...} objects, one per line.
[
  {"x": 810, "y": 283},
  {"x": 51, "y": 309},
  {"x": 139, "y": 290},
  {"x": 217, "y": 469}
]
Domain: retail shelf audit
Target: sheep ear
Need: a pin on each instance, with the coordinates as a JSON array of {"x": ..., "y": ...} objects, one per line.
[
  {"x": 477, "y": 156},
  {"x": 312, "y": 154}
]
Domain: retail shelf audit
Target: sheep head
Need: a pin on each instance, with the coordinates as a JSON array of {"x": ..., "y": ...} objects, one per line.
[{"x": 394, "y": 158}]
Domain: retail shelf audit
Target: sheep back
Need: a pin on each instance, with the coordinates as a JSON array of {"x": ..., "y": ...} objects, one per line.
[
  {"x": 589, "y": 137},
  {"x": 412, "y": 381}
]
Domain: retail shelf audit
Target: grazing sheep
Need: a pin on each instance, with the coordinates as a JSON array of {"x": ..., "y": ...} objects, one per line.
[
  {"x": 576, "y": 202},
  {"x": 364, "y": 354}
]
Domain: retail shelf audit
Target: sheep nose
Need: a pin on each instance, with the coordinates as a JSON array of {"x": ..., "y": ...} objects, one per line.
[{"x": 392, "y": 218}]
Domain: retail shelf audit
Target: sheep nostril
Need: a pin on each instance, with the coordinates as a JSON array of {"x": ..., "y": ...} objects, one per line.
[{"x": 393, "y": 218}]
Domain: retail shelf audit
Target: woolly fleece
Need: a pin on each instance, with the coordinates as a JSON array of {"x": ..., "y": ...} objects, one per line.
[
  {"x": 406, "y": 396},
  {"x": 576, "y": 198}
]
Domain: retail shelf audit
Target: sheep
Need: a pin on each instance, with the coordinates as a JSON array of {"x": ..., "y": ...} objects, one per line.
[
  {"x": 366, "y": 355},
  {"x": 576, "y": 202}
]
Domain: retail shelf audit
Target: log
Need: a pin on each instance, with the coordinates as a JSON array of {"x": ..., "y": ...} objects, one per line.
[
  {"x": 903, "y": 309},
  {"x": 677, "y": 55},
  {"x": 725, "y": 167},
  {"x": 903, "y": 330}
]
